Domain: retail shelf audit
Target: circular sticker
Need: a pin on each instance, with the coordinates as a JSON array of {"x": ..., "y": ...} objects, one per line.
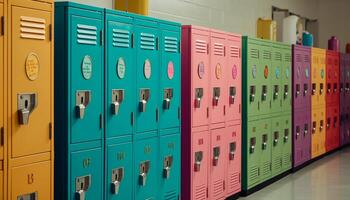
[
  {"x": 298, "y": 72},
  {"x": 234, "y": 72},
  {"x": 322, "y": 73},
  {"x": 121, "y": 68},
  {"x": 254, "y": 71},
  {"x": 171, "y": 70},
  {"x": 32, "y": 66},
  {"x": 201, "y": 70},
  {"x": 218, "y": 71},
  {"x": 266, "y": 72},
  {"x": 287, "y": 72},
  {"x": 307, "y": 72},
  {"x": 86, "y": 67},
  {"x": 147, "y": 69},
  {"x": 277, "y": 72}
]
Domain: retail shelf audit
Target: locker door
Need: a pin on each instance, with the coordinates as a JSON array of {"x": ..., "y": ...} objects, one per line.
[
  {"x": 266, "y": 149},
  {"x": 336, "y": 127},
  {"x": 147, "y": 68},
  {"x": 276, "y": 79},
  {"x": 321, "y": 73},
  {"x": 233, "y": 159},
  {"x": 121, "y": 72},
  {"x": 315, "y": 133},
  {"x": 298, "y": 132},
  {"x": 329, "y": 128},
  {"x": 254, "y": 154},
  {"x": 234, "y": 78},
  {"x": 307, "y": 131},
  {"x": 277, "y": 145},
  {"x": 298, "y": 83},
  {"x": 286, "y": 122},
  {"x": 86, "y": 69},
  {"x": 329, "y": 78},
  {"x": 266, "y": 73},
  {"x": 31, "y": 81},
  {"x": 336, "y": 80},
  {"x": 218, "y": 63},
  {"x": 286, "y": 83},
  {"x": 2, "y": 94},
  {"x": 200, "y": 79},
  {"x": 1, "y": 184},
  {"x": 322, "y": 130},
  {"x": 217, "y": 164},
  {"x": 170, "y": 80},
  {"x": 306, "y": 74}
]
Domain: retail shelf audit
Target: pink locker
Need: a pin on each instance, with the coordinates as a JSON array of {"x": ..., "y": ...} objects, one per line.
[
  {"x": 233, "y": 157},
  {"x": 218, "y": 86},
  {"x": 217, "y": 164},
  {"x": 233, "y": 71}
]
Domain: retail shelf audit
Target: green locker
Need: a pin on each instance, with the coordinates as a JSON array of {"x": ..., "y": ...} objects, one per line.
[
  {"x": 277, "y": 145},
  {"x": 286, "y": 139},
  {"x": 286, "y": 84},
  {"x": 276, "y": 78},
  {"x": 267, "y": 77},
  {"x": 266, "y": 148}
]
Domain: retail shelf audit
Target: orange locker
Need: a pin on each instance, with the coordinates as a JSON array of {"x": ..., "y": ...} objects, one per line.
[
  {"x": 29, "y": 26},
  {"x": 2, "y": 98}
]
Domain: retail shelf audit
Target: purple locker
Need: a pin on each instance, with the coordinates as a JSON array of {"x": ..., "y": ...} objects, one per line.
[
  {"x": 301, "y": 137},
  {"x": 301, "y": 77},
  {"x": 342, "y": 99}
]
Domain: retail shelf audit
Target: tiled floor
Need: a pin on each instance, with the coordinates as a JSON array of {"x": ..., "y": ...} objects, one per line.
[{"x": 326, "y": 179}]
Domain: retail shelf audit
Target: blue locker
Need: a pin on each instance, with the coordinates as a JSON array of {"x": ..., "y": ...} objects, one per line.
[{"x": 79, "y": 95}]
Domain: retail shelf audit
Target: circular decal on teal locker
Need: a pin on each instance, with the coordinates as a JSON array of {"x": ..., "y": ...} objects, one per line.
[
  {"x": 277, "y": 72},
  {"x": 147, "y": 69},
  {"x": 86, "y": 67},
  {"x": 254, "y": 71},
  {"x": 171, "y": 70},
  {"x": 201, "y": 70},
  {"x": 234, "y": 72},
  {"x": 322, "y": 73},
  {"x": 121, "y": 68},
  {"x": 287, "y": 72}
]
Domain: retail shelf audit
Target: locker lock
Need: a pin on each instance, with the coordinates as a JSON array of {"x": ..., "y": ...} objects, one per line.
[
  {"x": 30, "y": 196},
  {"x": 82, "y": 100},
  {"x": 144, "y": 169},
  {"x": 297, "y": 93},
  {"x": 264, "y": 93},
  {"x": 306, "y": 129},
  {"x": 252, "y": 145},
  {"x": 82, "y": 185},
  {"x": 306, "y": 88},
  {"x": 335, "y": 87},
  {"x": 198, "y": 97},
  {"x": 275, "y": 92},
  {"x": 198, "y": 157},
  {"x": 297, "y": 130},
  {"x": 232, "y": 150},
  {"x": 286, "y": 135},
  {"x": 286, "y": 90},
  {"x": 264, "y": 141},
  {"x": 26, "y": 103},
  {"x": 313, "y": 88},
  {"x": 117, "y": 99},
  {"x": 321, "y": 88},
  {"x": 328, "y": 123},
  {"x": 252, "y": 93},
  {"x": 216, "y": 155},
  {"x": 167, "y": 164},
  {"x": 232, "y": 95},
  {"x": 168, "y": 95},
  {"x": 144, "y": 97},
  {"x": 321, "y": 125},
  {"x": 216, "y": 96},
  {"x": 347, "y": 88},
  {"x": 313, "y": 127},
  {"x": 329, "y": 88},
  {"x": 117, "y": 178},
  {"x": 341, "y": 87},
  {"x": 276, "y": 136}
]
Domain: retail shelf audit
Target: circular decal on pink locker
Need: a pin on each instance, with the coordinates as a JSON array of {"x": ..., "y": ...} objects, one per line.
[
  {"x": 218, "y": 71},
  {"x": 147, "y": 69},
  {"x": 234, "y": 72},
  {"x": 170, "y": 70},
  {"x": 201, "y": 70}
]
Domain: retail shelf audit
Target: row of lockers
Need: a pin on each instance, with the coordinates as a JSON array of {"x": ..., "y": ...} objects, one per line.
[{"x": 144, "y": 109}]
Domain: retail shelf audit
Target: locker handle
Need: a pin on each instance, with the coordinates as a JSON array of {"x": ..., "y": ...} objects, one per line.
[
  {"x": 2, "y": 135},
  {"x": 2, "y": 25}
]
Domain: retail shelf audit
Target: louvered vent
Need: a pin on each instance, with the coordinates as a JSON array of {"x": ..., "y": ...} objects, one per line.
[
  {"x": 201, "y": 46},
  {"x": 87, "y": 34},
  {"x": 266, "y": 168},
  {"x": 148, "y": 41},
  {"x": 277, "y": 56},
  {"x": 219, "y": 49},
  {"x": 277, "y": 163},
  {"x": 171, "y": 44},
  {"x": 254, "y": 53},
  {"x": 200, "y": 192},
  {"x": 234, "y": 180},
  {"x": 286, "y": 159},
  {"x": 218, "y": 189},
  {"x": 306, "y": 58},
  {"x": 287, "y": 57},
  {"x": 267, "y": 55},
  {"x": 235, "y": 52},
  {"x": 171, "y": 195},
  {"x": 298, "y": 58},
  {"x": 32, "y": 28},
  {"x": 121, "y": 38},
  {"x": 253, "y": 174}
]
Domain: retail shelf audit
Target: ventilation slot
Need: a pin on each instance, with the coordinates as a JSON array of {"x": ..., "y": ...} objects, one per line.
[
  {"x": 277, "y": 163},
  {"x": 201, "y": 46},
  {"x": 278, "y": 56},
  {"x": 171, "y": 44},
  {"x": 287, "y": 58},
  {"x": 200, "y": 192},
  {"x": 286, "y": 159},
  {"x": 87, "y": 34},
  {"x": 32, "y": 28},
  {"x": 219, "y": 49},
  {"x": 253, "y": 174},
  {"x": 266, "y": 169},
  {"x": 306, "y": 58},
  {"x": 170, "y": 195},
  {"x": 234, "y": 181},
  {"x": 254, "y": 53},
  {"x": 298, "y": 58},
  {"x": 267, "y": 55},
  {"x": 235, "y": 52},
  {"x": 218, "y": 189},
  {"x": 121, "y": 38},
  {"x": 148, "y": 41}
]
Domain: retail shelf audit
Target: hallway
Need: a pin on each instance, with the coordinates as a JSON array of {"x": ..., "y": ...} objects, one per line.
[{"x": 314, "y": 182}]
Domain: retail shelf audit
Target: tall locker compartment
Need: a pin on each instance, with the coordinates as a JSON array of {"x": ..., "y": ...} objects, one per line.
[
  {"x": 29, "y": 26},
  {"x": 79, "y": 80},
  {"x": 344, "y": 105},
  {"x": 3, "y": 99}
]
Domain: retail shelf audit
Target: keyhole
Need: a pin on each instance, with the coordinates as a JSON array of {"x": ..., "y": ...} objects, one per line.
[
  {"x": 82, "y": 100},
  {"x": 116, "y": 98},
  {"x": 143, "y": 96},
  {"x": 81, "y": 185},
  {"x": 26, "y": 103},
  {"x": 116, "y": 177},
  {"x": 167, "y": 163},
  {"x": 143, "y": 169}
]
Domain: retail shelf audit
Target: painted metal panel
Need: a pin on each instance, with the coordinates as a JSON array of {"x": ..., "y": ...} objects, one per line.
[
  {"x": 286, "y": 83},
  {"x": 253, "y": 155},
  {"x": 266, "y": 149},
  {"x": 332, "y": 128},
  {"x": 318, "y": 87},
  {"x": 2, "y": 181},
  {"x": 298, "y": 136},
  {"x": 307, "y": 134},
  {"x": 277, "y": 145},
  {"x": 286, "y": 140},
  {"x": 266, "y": 74},
  {"x": 318, "y": 132},
  {"x": 277, "y": 73},
  {"x": 2, "y": 86},
  {"x": 332, "y": 79}
]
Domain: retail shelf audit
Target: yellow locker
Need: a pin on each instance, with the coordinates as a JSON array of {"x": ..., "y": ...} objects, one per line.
[
  {"x": 2, "y": 98},
  {"x": 322, "y": 130},
  {"x": 266, "y": 29},
  {"x": 2, "y": 189},
  {"x": 318, "y": 138},
  {"x": 30, "y": 99},
  {"x": 318, "y": 77},
  {"x": 134, "y": 6}
]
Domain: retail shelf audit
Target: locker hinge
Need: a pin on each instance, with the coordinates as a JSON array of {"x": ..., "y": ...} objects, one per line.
[
  {"x": 224, "y": 110},
  {"x": 101, "y": 121},
  {"x": 132, "y": 40},
  {"x": 239, "y": 108},
  {"x": 179, "y": 46},
  {"x": 51, "y": 32},
  {"x": 239, "y": 177},
  {"x": 2, "y": 135},
  {"x": 2, "y": 25},
  {"x": 207, "y": 48},
  {"x": 179, "y": 113},
  {"x": 207, "y": 193},
  {"x": 101, "y": 38},
  {"x": 207, "y": 112},
  {"x": 270, "y": 166},
  {"x": 223, "y": 185},
  {"x": 132, "y": 119},
  {"x": 157, "y": 115},
  {"x": 157, "y": 43},
  {"x": 50, "y": 130},
  {"x": 224, "y": 51}
]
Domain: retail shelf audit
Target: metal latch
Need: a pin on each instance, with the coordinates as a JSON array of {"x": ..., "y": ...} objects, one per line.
[
  {"x": 252, "y": 93},
  {"x": 144, "y": 168},
  {"x": 30, "y": 196},
  {"x": 82, "y": 185},
  {"x": 144, "y": 97},
  {"x": 167, "y": 164},
  {"x": 82, "y": 100},
  {"x": 117, "y": 177},
  {"x": 313, "y": 88},
  {"x": 117, "y": 99},
  {"x": 306, "y": 129},
  {"x": 232, "y": 95},
  {"x": 198, "y": 157},
  {"x": 198, "y": 97},
  {"x": 286, "y": 90},
  {"x": 264, "y": 93},
  {"x": 341, "y": 87},
  {"x": 216, "y": 155},
  {"x": 264, "y": 141},
  {"x": 232, "y": 150},
  {"x": 297, "y": 131},
  {"x": 252, "y": 144},
  {"x": 335, "y": 87},
  {"x": 313, "y": 127},
  {"x": 216, "y": 96},
  {"x": 321, "y": 88},
  {"x": 306, "y": 89},
  {"x": 328, "y": 123},
  {"x": 321, "y": 125},
  {"x": 329, "y": 88},
  {"x": 275, "y": 92},
  {"x": 276, "y": 136},
  {"x": 286, "y": 135},
  {"x": 297, "y": 90},
  {"x": 168, "y": 95},
  {"x": 26, "y": 103}
]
